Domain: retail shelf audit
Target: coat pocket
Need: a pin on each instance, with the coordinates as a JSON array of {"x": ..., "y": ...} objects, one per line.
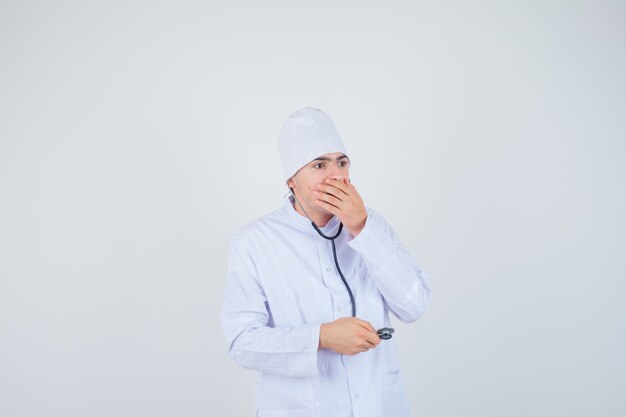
[
  {"x": 391, "y": 378},
  {"x": 293, "y": 400},
  {"x": 394, "y": 399}
]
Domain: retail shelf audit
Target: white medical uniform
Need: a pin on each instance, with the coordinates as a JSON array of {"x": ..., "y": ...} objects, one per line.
[{"x": 282, "y": 284}]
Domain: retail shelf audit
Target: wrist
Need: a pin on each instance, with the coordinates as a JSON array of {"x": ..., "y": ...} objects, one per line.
[{"x": 356, "y": 229}]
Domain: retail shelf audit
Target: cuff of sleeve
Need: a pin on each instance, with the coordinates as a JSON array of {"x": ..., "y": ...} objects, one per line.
[
  {"x": 308, "y": 361},
  {"x": 322, "y": 354}
]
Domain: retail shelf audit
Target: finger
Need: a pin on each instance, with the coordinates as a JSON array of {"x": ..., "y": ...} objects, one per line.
[
  {"x": 360, "y": 349},
  {"x": 363, "y": 348},
  {"x": 332, "y": 190},
  {"x": 365, "y": 324},
  {"x": 372, "y": 338},
  {"x": 338, "y": 184},
  {"x": 332, "y": 209},
  {"x": 329, "y": 198},
  {"x": 348, "y": 186}
]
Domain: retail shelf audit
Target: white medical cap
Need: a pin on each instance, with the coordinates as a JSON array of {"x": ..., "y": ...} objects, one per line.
[{"x": 307, "y": 134}]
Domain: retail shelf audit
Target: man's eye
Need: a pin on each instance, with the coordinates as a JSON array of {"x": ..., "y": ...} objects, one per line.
[
  {"x": 343, "y": 163},
  {"x": 318, "y": 165}
]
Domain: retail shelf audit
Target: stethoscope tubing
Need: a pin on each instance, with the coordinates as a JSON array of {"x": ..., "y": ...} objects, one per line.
[
  {"x": 384, "y": 333},
  {"x": 343, "y": 278}
]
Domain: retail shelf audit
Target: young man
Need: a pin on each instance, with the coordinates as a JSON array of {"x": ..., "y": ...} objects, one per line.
[{"x": 305, "y": 310}]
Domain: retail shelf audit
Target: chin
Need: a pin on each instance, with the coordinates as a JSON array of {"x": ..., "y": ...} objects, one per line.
[
  {"x": 323, "y": 210},
  {"x": 317, "y": 208}
]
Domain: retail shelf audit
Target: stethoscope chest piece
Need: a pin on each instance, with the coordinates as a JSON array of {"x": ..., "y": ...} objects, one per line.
[{"x": 385, "y": 333}]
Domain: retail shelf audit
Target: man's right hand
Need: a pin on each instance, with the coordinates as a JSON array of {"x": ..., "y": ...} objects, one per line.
[{"x": 348, "y": 336}]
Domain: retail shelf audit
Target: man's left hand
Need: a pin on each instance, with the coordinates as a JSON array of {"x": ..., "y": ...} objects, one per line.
[{"x": 340, "y": 197}]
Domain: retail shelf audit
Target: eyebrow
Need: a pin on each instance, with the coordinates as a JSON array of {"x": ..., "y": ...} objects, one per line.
[{"x": 325, "y": 158}]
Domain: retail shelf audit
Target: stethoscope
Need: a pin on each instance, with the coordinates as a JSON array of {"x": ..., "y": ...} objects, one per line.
[{"x": 384, "y": 333}]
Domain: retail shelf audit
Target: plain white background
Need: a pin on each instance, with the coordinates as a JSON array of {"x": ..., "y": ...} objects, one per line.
[{"x": 137, "y": 136}]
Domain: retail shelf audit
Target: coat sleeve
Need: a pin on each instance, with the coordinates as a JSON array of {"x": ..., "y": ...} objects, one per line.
[
  {"x": 404, "y": 286},
  {"x": 253, "y": 341}
]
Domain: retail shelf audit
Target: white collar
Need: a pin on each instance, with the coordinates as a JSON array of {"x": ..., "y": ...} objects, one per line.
[{"x": 303, "y": 223}]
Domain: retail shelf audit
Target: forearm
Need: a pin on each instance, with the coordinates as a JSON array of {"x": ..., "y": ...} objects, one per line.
[
  {"x": 287, "y": 351},
  {"x": 401, "y": 281},
  {"x": 404, "y": 286}
]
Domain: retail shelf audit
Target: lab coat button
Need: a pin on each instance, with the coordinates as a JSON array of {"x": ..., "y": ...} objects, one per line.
[
  {"x": 356, "y": 395},
  {"x": 327, "y": 269},
  {"x": 339, "y": 309}
]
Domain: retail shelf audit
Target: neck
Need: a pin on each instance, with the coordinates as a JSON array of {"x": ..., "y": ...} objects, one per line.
[{"x": 319, "y": 218}]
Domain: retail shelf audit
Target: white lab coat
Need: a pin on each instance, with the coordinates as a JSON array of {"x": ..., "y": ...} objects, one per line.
[{"x": 282, "y": 284}]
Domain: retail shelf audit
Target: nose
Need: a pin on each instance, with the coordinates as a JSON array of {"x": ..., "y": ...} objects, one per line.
[
  {"x": 339, "y": 177},
  {"x": 337, "y": 173}
]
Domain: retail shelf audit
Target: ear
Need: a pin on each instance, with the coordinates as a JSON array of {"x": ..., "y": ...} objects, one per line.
[{"x": 291, "y": 183}]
